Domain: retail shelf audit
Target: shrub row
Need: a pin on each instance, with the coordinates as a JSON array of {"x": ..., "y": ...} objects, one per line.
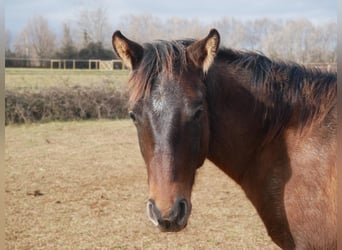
[{"x": 64, "y": 104}]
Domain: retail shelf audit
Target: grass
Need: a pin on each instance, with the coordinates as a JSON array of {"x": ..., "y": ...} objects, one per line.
[
  {"x": 83, "y": 185},
  {"x": 36, "y": 79}
]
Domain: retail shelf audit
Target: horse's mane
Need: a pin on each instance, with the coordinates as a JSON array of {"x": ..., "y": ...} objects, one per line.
[{"x": 282, "y": 86}]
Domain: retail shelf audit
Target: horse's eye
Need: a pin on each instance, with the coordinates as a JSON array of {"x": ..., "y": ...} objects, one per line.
[
  {"x": 132, "y": 116},
  {"x": 197, "y": 115}
]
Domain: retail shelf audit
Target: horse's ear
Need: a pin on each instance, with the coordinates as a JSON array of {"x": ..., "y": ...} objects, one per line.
[
  {"x": 202, "y": 53},
  {"x": 130, "y": 52}
]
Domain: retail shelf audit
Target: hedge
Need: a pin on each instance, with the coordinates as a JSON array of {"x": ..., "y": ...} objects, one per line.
[{"x": 64, "y": 104}]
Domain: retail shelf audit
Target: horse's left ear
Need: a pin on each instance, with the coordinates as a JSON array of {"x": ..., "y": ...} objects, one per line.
[
  {"x": 202, "y": 53},
  {"x": 130, "y": 52}
]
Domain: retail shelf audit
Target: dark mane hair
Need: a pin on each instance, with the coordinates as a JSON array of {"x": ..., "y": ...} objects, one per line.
[{"x": 282, "y": 87}]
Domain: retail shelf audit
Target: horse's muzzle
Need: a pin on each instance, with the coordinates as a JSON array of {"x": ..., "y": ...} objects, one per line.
[{"x": 175, "y": 221}]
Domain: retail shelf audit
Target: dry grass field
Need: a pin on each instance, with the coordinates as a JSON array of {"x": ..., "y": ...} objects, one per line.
[
  {"x": 20, "y": 79},
  {"x": 82, "y": 185}
]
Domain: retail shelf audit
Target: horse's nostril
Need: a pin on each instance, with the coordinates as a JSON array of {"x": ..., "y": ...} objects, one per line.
[
  {"x": 152, "y": 213},
  {"x": 183, "y": 211}
]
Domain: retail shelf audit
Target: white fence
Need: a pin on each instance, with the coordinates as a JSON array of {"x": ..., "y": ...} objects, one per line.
[
  {"x": 72, "y": 64},
  {"x": 92, "y": 64}
]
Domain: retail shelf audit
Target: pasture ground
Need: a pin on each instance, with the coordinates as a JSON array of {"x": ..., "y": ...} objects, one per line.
[
  {"x": 83, "y": 185},
  {"x": 21, "y": 79}
]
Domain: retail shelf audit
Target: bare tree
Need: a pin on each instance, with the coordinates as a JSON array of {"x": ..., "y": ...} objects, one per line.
[
  {"x": 301, "y": 41},
  {"x": 298, "y": 40},
  {"x": 325, "y": 40},
  {"x": 191, "y": 28},
  {"x": 233, "y": 32},
  {"x": 94, "y": 26},
  {"x": 22, "y": 47},
  {"x": 68, "y": 49},
  {"x": 36, "y": 39},
  {"x": 144, "y": 28}
]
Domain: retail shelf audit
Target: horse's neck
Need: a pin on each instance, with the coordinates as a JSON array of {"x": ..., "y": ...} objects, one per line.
[
  {"x": 241, "y": 126},
  {"x": 236, "y": 132}
]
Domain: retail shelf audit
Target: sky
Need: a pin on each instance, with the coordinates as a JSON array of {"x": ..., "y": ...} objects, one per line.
[{"x": 18, "y": 12}]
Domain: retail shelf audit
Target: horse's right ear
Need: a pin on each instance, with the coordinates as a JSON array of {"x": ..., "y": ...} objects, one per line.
[{"x": 130, "y": 52}]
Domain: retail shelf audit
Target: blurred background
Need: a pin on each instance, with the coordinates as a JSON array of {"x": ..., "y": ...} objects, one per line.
[{"x": 304, "y": 31}]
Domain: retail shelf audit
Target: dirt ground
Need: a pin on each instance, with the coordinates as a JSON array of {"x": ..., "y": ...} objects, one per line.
[{"x": 83, "y": 185}]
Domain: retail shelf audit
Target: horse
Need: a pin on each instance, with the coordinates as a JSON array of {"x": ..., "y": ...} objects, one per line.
[{"x": 270, "y": 125}]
